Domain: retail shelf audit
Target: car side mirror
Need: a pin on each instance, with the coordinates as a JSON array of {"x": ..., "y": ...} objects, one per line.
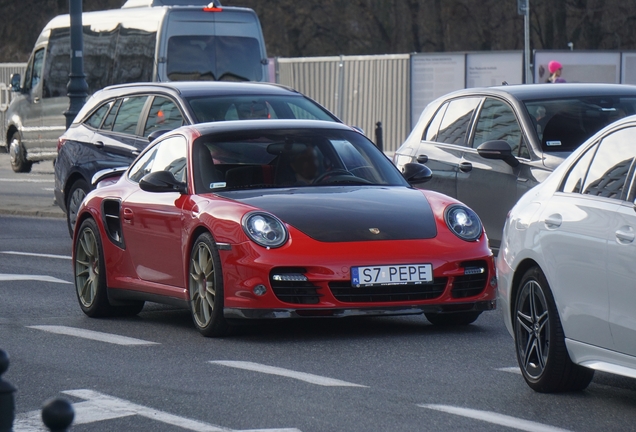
[
  {"x": 498, "y": 149},
  {"x": 162, "y": 181},
  {"x": 416, "y": 173},
  {"x": 15, "y": 82},
  {"x": 156, "y": 134}
]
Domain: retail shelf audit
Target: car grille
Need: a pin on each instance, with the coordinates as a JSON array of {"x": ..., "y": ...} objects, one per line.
[
  {"x": 471, "y": 284},
  {"x": 344, "y": 292}
]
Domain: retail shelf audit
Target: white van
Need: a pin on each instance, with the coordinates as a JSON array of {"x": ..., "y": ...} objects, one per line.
[{"x": 145, "y": 40}]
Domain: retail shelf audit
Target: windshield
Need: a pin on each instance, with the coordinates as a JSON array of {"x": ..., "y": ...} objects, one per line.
[
  {"x": 222, "y": 108},
  {"x": 564, "y": 124},
  {"x": 289, "y": 158},
  {"x": 214, "y": 58}
]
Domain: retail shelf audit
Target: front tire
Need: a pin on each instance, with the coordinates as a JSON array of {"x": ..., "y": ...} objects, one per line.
[
  {"x": 76, "y": 195},
  {"x": 540, "y": 342},
  {"x": 205, "y": 284},
  {"x": 453, "y": 319},
  {"x": 17, "y": 155}
]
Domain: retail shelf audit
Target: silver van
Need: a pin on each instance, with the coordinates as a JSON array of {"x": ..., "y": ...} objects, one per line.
[{"x": 145, "y": 40}]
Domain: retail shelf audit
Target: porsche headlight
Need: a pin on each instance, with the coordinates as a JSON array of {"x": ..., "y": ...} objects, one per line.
[
  {"x": 463, "y": 222},
  {"x": 265, "y": 229}
]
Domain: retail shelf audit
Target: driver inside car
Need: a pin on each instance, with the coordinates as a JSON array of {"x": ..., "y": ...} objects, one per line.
[{"x": 306, "y": 165}]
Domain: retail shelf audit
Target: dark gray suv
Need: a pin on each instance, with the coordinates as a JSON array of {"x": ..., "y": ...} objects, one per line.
[
  {"x": 115, "y": 124},
  {"x": 488, "y": 146}
]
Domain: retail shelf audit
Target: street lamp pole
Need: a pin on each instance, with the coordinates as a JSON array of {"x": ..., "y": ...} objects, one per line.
[
  {"x": 77, "y": 86},
  {"x": 523, "y": 8}
]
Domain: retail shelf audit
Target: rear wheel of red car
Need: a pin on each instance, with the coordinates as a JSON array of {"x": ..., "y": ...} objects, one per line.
[
  {"x": 453, "y": 319},
  {"x": 76, "y": 195},
  {"x": 541, "y": 352},
  {"x": 205, "y": 284},
  {"x": 90, "y": 272}
]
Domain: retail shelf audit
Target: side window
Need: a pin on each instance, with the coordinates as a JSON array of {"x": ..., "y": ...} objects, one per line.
[
  {"x": 431, "y": 131},
  {"x": 497, "y": 121},
  {"x": 110, "y": 118},
  {"x": 34, "y": 70},
  {"x": 168, "y": 155},
  {"x": 95, "y": 120},
  {"x": 573, "y": 182},
  {"x": 454, "y": 126},
  {"x": 611, "y": 165},
  {"x": 164, "y": 115},
  {"x": 128, "y": 114}
]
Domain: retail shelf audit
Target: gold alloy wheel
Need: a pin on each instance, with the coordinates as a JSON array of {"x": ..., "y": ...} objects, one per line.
[
  {"x": 87, "y": 267},
  {"x": 202, "y": 288}
]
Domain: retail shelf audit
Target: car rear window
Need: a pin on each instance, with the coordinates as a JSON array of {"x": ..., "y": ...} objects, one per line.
[
  {"x": 564, "y": 124},
  {"x": 223, "y": 108}
]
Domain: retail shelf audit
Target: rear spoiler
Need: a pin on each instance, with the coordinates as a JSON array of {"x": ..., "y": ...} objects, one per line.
[{"x": 107, "y": 173}]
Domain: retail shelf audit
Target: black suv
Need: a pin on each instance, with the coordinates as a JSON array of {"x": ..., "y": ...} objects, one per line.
[{"x": 116, "y": 123}]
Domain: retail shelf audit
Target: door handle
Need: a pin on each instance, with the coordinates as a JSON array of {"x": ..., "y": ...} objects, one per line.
[
  {"x": 625, "y": 235},
  {"x": 553, "y": 221},
  {"x": 99, "y": 144},
  {"x": 128, "y": 215},
  {"x": 465, "y": 166}
]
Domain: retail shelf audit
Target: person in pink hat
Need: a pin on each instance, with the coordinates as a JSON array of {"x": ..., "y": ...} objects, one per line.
[{"x": 555, "y": 69}]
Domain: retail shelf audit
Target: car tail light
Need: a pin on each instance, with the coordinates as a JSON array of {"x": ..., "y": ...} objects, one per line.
[
  {"x": 212, "y": 7},
  {"x": 60, "y": 142}
]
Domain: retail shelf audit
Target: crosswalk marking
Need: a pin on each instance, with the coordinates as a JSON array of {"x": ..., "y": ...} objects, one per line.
[
  {"x": 100, "y": 407},
  {"x": 313, "y": 379},
  {"x": 495, "y": 418},
  {"x": 36, "y": 255},
  {"x": 93, "y": 335},
  {"x": 4, "y": 277}
]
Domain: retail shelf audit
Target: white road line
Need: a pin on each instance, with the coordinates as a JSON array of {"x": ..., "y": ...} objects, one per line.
[
  {"x": 41, "y": 278},
  {"x": 100, "y": 407},
  {"x": 313, "y": 379},
  {"x": 513, "y": 369},
  {"x": 93, "y": 335},
  {"x": 495, "y": 418},
  {"x": 66, "y": 257},
  {"x": 25, "y": 180}
]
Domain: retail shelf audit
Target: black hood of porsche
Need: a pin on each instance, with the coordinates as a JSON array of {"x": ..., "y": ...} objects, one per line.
[{"x": 347, "y": 213}]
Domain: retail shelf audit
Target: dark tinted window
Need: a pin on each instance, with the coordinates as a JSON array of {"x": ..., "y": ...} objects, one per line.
[
  {"x": 573, "y": 182},
  {"x": 110, "y": 118},
  {"x": 164, "y": 115},
  {"x": 214, "y": 108},
  {"x": 95, "y": 120},
  {"x": 497, "y": 121},
  {"x": 128, "y": 114},
  {"x": 564, "y": 124},
  {"x": 431, "y": 132},
  {"x": 214, "y": 58},
  {"x": 454, "y": 125},
  {"x": 611, "y": 165},
  {"x": 34, "y": 70}
]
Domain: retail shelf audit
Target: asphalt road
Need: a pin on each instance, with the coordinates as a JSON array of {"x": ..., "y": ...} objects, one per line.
[{"x": 155, "y": 372}]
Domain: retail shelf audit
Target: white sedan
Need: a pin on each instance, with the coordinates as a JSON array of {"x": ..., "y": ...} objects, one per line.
[{"x": 567, "y": 267}]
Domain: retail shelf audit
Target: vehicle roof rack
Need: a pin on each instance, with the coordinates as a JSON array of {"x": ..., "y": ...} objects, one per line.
[{"x": 149, "y": 3}]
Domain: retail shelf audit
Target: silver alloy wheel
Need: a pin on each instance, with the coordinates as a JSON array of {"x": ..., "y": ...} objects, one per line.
[
  {"x": 532, "y": 329},
  {"x": 87, "y": 267},
  {"x": 73, "y": 205},
  {"x": 202, "y": 289}
]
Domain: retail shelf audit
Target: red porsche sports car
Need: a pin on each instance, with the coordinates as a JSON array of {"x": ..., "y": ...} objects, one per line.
[{"x": 278, "y": 219}]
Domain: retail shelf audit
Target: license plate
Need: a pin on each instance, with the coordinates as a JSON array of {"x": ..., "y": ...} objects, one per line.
[{"x": 404, "y": 274}]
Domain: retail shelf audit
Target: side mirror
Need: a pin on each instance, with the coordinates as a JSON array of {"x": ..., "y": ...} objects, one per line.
[
  {"x": 156, "y": 134},
  {"x": 15, "y": 82},
  {"x": 162, "y": 181},
  {"x": 498, "y": 149},
  {"x": 416, "y": 173}
]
